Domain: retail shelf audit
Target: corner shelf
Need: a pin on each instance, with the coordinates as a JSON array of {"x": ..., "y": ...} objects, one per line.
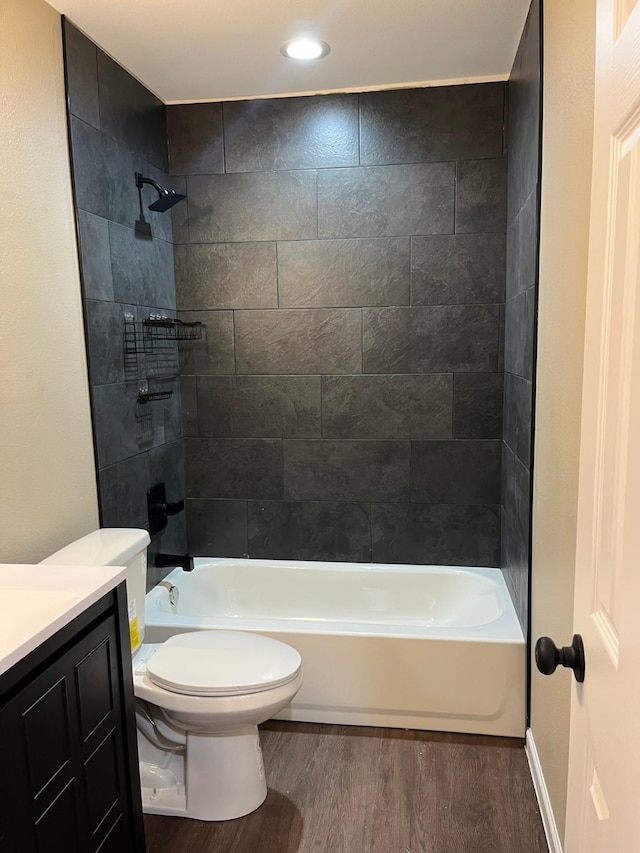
[
  {"x": 167, "y": 329},
  {"x": 153, "y": 396},
  {"x": 154, "y": 332}
]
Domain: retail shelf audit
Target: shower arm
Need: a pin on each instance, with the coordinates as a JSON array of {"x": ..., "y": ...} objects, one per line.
[{"x": 141, "y": 180}]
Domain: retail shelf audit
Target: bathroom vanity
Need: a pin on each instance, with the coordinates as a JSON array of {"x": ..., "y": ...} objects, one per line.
[{"x": 67, "y": 719}]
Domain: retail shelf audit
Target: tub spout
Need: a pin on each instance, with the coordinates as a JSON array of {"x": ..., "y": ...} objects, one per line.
[{"x": 174, "y": 561}]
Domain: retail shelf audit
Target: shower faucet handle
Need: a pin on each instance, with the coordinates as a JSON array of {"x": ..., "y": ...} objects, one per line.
[
  {"x": 172, "y": 508},
  {"x": 159, "y": 508}
]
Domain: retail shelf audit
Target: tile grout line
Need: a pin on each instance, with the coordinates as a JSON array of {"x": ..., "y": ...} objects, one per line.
[
  {"x": 224, "y": 142},
  {"x": 317, "y": 204},
  {"x": 359, "y": 97},
  {"x": 233, "y": 338},
  {"x": 367, "y": 237}
]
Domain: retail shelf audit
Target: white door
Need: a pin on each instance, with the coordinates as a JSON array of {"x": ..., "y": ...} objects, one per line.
[{"x": 603, "y": 811}]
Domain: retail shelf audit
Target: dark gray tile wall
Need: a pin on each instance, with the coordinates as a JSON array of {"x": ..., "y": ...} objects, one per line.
[
  {"x": 118, "y": 127},
  {"x": 524, "y": 93},
  {"x": 347, "y": 254}
]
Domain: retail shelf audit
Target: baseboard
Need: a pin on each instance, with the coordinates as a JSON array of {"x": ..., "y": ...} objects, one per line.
[{"x": 542, "y": 794}]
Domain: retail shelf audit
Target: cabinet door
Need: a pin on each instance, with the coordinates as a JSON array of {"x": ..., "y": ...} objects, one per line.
[{"x": 65, "y": 788}]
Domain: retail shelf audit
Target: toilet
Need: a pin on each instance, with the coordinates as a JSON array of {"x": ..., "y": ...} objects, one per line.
[{"x": 200, "y": 697}]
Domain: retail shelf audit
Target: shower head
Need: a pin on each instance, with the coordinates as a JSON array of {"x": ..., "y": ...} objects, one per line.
[{"x": 166, "y": 198}]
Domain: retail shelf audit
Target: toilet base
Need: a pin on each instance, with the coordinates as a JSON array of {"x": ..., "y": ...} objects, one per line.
[{"x": 236, "y": 789}]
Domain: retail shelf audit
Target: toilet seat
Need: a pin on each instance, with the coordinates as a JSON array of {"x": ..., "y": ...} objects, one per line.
[{"x": 222, "y": 663}]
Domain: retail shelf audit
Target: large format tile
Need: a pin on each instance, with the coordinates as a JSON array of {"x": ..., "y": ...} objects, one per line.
[
  {"x": 143, "y": 271},
  {"x": 304, "y": 341},
  {"x": 234, "y": 468},
  {"x": 387, "y": 406},
  {"x": 514, "y": 562},
  {"x": 481, "y": 196},
  {"x": 166, "y": 415},
  {"x": 516, "y": 513},
  {"x": 82, "y": 75},
  {"x": 462, "y": 269},
  {"x": 346, "y": 470},
  {"x": 104, "y": 329},
  {"x": 259, "y": 406},
  {"x": 118, "y": 166},
  {"x": 477, "y": 407},
  {"x": 179, "y": 212},
  {"x": 189, "y": 398},
  {"x": 524, "y": 113},
  {"x": 166, "y": 465},
  {"x": 256, "y": 206},
  {"x": 91, "y": 185},
  {"x": 522, "y": 247},
  {"x": 435, "y": 534},
  {"x": 517, "y": 417},
  {"x": 214, "y": 352},
  {"x": 122, "y": 427},
  {"x": 291, "y": 133},
  {"x": 516, "y": 493},
  {"x": 434, "y": 123},
  {"x": 171, "y": 540},
  {"x": 386, "y": 201},
  {"x": 95, "y": 256},
  {"x": 226, "y": 275},
  {"x": 309, "y": 531},
  {"x": 123, "y": 492},
  {"x": 436, "y": 339},
  {"x": 456, "y": 472},
  {"x": 130, "y": 113},
  {"x": 217, "y": 528},
  {"x": 519, "y": 331},
  {"x": 195, "y": 139},
  {"x": 343, "y": 273}
]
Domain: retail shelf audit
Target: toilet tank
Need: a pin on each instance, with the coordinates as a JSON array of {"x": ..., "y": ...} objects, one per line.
[{"x": 114, "y": 546}]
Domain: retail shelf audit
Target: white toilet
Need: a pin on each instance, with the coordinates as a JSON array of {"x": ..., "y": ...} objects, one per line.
[{"x": 200, "y": 697}]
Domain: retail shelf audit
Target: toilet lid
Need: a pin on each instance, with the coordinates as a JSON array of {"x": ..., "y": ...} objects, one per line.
[{"x": 222, "y": 663}]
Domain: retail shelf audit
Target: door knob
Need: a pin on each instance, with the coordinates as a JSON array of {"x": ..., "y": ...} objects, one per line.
[{"x": 549, "y": 656}]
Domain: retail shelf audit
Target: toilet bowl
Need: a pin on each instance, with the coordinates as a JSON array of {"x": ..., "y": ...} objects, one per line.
[
  {"x": 215, "y": 688},
  {"x": 200, "y": 697}
]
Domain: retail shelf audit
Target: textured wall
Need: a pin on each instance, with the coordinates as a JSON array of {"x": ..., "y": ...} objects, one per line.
[
  {"x": 520, "y": 311},
  {"x": 569, "y": 37},
  {"x": 48, "y": 494},
  {"x": 347, "y": 254},
  {"x": 117, "y": 128}
]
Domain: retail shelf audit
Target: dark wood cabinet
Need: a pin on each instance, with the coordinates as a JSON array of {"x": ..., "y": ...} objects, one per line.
[{"x": 70, "y": 781}]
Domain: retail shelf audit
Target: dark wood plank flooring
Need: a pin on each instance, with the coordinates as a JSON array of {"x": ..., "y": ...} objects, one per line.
[{"x": 342, "y": 789}]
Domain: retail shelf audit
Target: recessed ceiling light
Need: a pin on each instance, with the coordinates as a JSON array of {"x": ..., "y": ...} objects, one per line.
[{"x": 305, "y": 49}]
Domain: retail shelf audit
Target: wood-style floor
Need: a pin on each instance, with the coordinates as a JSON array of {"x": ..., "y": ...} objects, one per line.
[{"x": 341, "y": 789}]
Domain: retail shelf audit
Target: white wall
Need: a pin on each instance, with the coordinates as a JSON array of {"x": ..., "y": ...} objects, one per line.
[
  {"x": 569, "y": 34},
  {"x": 47, "y": 479}
]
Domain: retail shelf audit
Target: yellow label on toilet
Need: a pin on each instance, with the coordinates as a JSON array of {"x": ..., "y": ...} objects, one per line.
[{"x": 134, "y": 632}]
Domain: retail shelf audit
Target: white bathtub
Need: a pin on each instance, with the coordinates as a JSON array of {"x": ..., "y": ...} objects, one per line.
[{"x": 424, "y": 647}]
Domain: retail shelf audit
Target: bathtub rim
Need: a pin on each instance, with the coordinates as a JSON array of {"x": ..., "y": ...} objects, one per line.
[{"x": 505, "y": 629}]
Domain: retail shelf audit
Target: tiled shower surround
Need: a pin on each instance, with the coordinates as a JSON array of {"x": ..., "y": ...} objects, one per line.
[
  {"x": 117, "y": 127},
  {"x": 520, "y": 323},
  {"x": 347, "y": 255}
]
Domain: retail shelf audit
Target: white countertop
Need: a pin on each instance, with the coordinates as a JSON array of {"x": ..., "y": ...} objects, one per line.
[{"x": 36, "y": 601}]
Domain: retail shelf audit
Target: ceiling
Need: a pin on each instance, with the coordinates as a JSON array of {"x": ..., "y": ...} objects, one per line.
[{"x": 207, "y": 50}]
